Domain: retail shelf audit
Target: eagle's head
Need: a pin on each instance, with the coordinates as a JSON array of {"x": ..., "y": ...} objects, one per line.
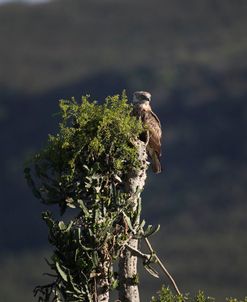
[{"x": 141, "y": 97}]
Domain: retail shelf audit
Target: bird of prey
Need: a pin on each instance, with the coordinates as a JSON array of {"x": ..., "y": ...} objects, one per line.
[{"x": 143, "y": 110}]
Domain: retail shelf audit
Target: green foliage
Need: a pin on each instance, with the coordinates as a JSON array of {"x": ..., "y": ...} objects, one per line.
[
  {"x": 93, "y": 147},
  {"x": 84, "y": 167},
  {"x": 91, "y": 22},
  {"x": 166, "y": 295}
]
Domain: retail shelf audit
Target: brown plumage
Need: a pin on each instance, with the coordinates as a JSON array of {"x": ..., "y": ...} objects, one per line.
[{"x": 143, "y": 110}]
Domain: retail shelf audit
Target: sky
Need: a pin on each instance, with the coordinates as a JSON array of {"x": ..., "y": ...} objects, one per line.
[{"x": 27, "y": 1}]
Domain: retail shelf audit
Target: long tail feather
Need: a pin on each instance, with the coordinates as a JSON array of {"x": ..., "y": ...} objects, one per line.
[{"x": 156, "y": 166}]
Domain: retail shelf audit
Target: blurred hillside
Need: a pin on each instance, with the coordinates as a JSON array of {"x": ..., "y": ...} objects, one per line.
[{"x": 192, "y": 56}]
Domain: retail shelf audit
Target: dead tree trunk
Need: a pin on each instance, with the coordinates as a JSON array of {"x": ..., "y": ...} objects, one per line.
[
  {"x": 103, "y": 285},
  {"x": 128, "y": 278}
]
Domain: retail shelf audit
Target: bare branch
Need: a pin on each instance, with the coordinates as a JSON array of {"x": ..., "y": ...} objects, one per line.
[
  {"x": 162, "y": 266},
  {"x": 136, "y": 252}
]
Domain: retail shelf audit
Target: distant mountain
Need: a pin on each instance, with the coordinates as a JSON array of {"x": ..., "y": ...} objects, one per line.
[
  {"x": 47, "y": 46},
  {"x": 24, "y": 1},
  {"x": 192, "y": 57}
]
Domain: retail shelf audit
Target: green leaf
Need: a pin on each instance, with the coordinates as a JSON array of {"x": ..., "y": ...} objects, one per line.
[
  {"x": 62, "y": 225},
  {"x": 141, "y": 226},
  {"x": 70, "y": 203},
  {"x": 128, "y": 221},
  {"x": 151, "y": 230},
  {"x": 114, "y": 284},
  {"x": 68, "y": 228},
  {"x": 95, "y": 259},
  {"x": 46, "y": 216},
  {"x": 61, "y": 272},
  {"x": 78, "y": 234},
  {"x": 151, "y": 271},
  {"x": 83, "y": 207}
]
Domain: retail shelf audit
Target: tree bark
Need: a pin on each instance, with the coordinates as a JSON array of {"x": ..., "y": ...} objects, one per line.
[
  {"x": 103, "y": 290},
  {"x": 128, "y": 278}
]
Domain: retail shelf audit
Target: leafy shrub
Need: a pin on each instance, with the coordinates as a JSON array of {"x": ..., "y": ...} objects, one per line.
[
  {"x": 84, "y": 167},
  {"x": 166, "y": 295}
]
